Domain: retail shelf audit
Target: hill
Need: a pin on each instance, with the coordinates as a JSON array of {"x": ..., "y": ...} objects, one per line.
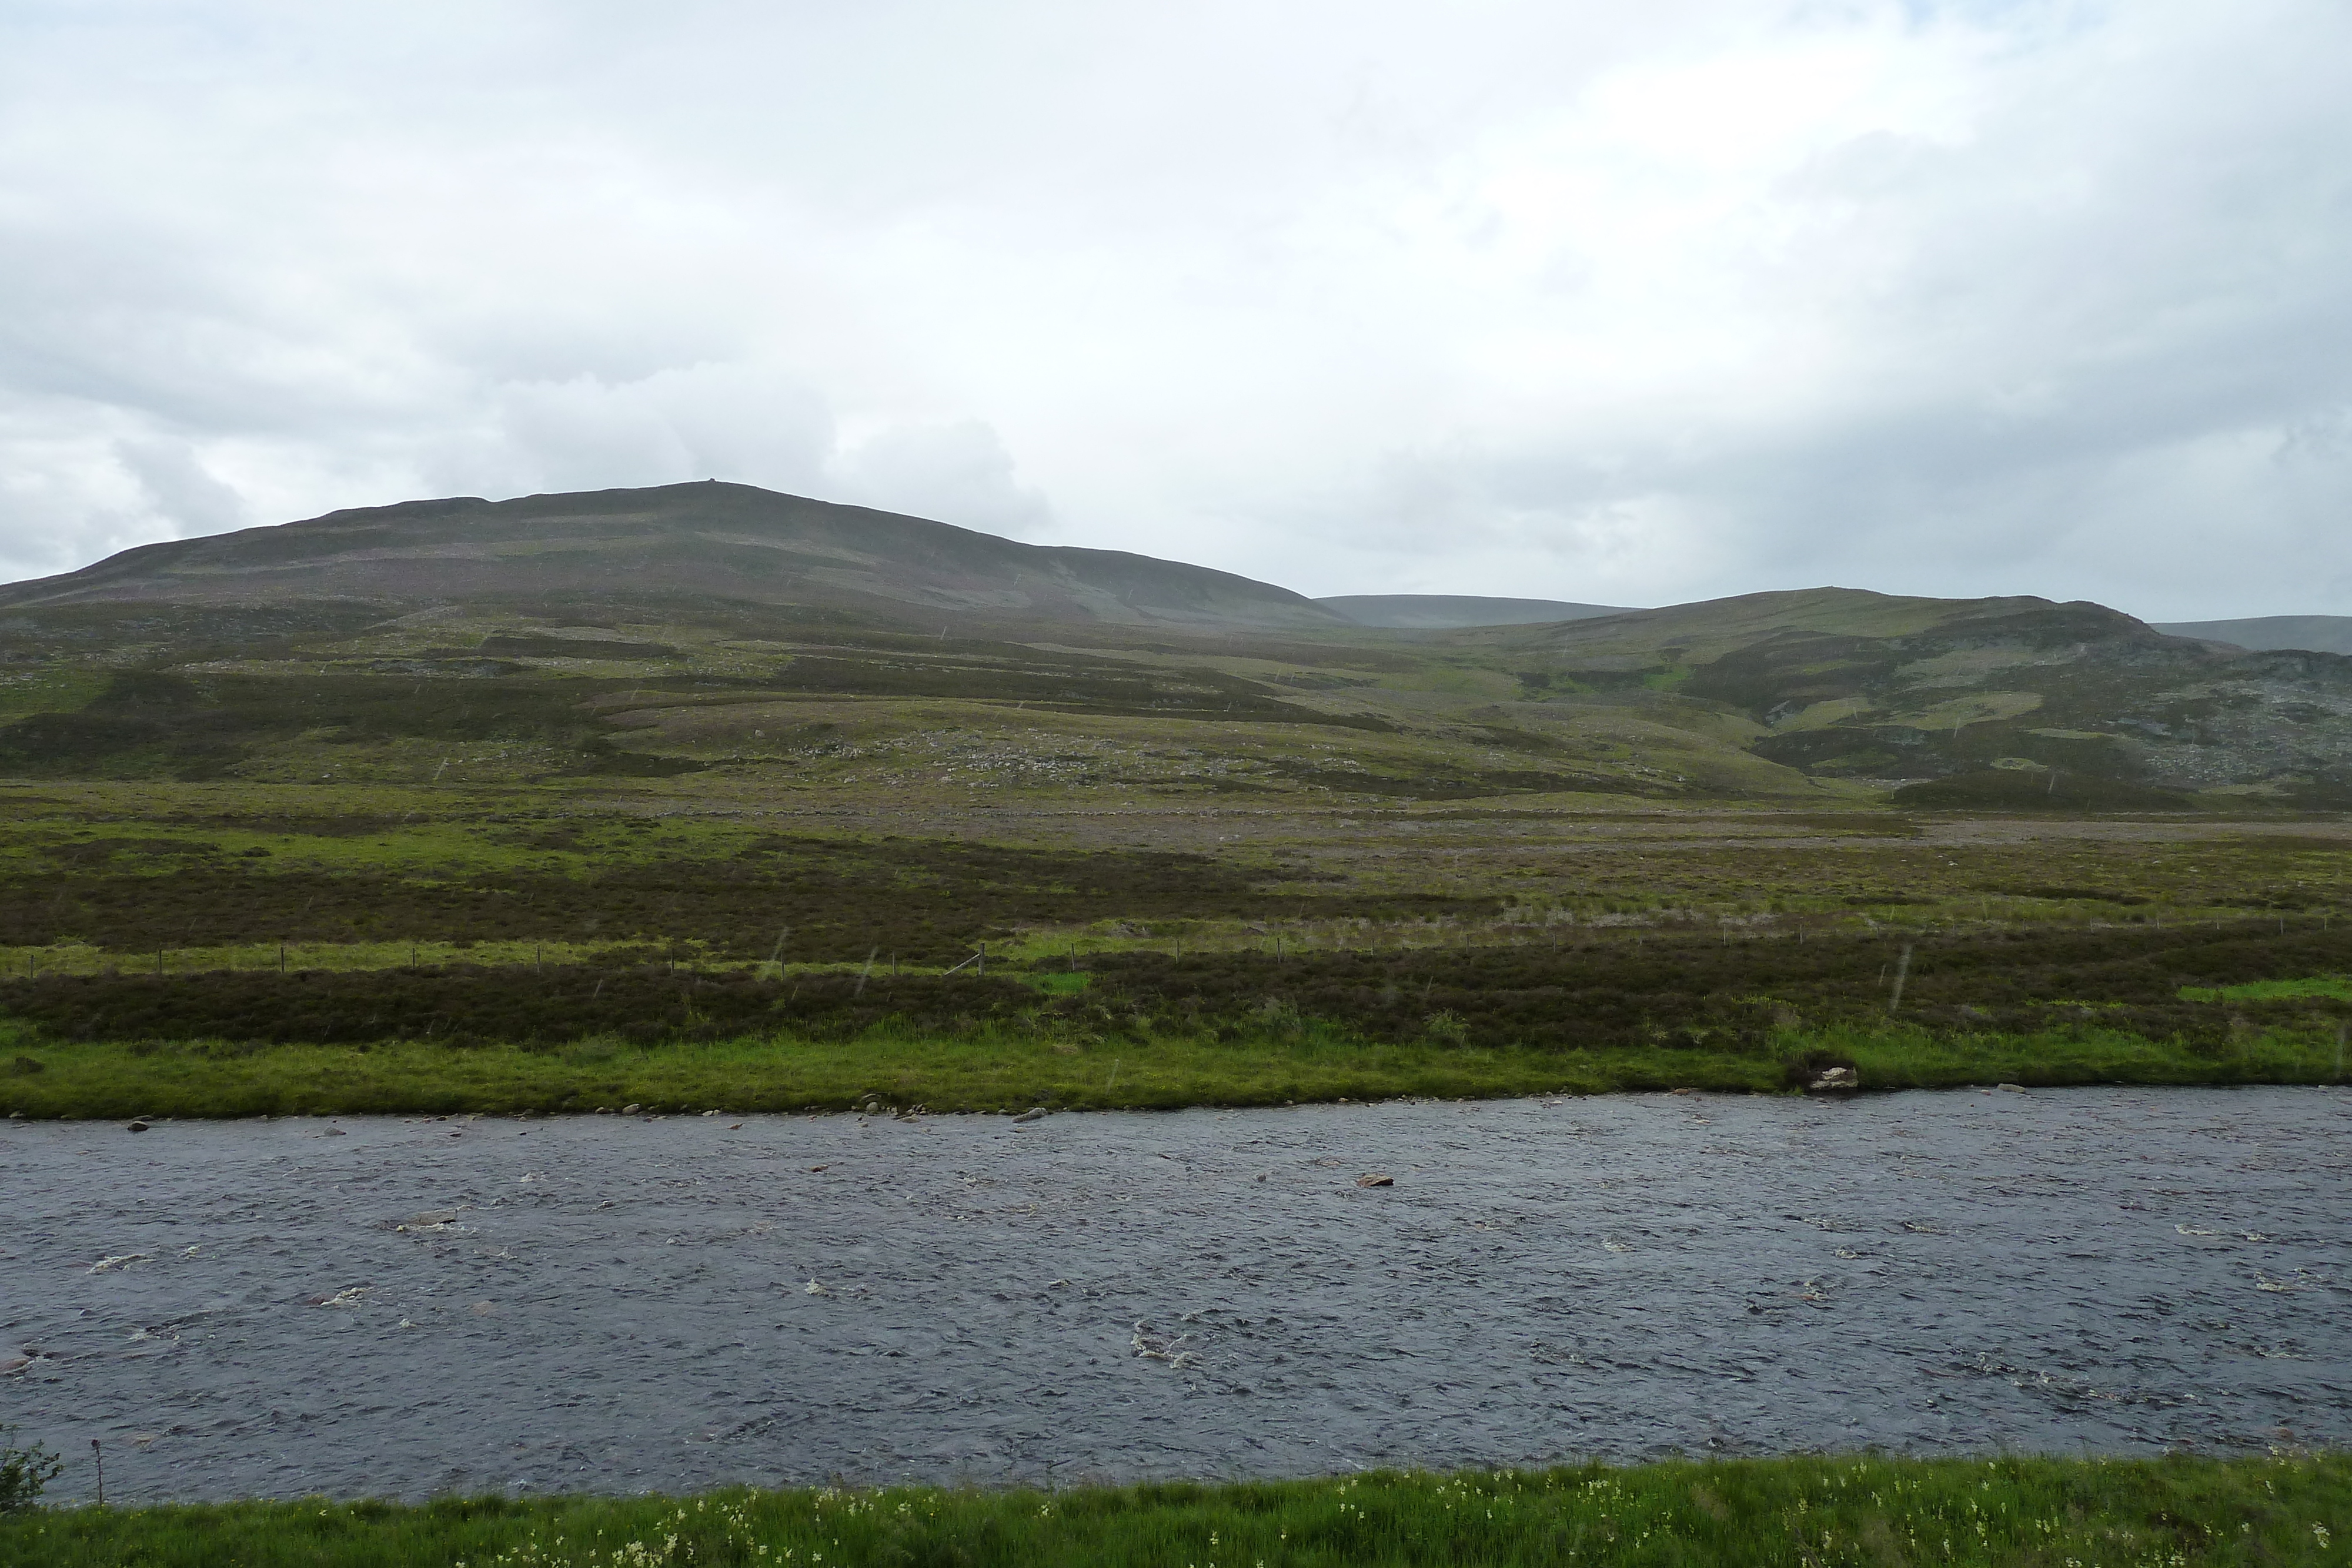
[
  {"x": 711, "y": 540},
  {"x": 1993, "y": 700},
  {"x": 776, "y": 647}
]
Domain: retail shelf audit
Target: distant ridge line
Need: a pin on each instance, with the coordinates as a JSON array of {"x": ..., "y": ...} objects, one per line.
[
  {"x": 1446, "y": 611},
  {"x": 2270, "y": 633}
]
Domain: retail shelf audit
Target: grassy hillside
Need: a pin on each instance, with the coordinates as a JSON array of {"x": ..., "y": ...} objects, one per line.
[
  {"x": 232, "y": 808},
  {"x": 797, "y": 697}
]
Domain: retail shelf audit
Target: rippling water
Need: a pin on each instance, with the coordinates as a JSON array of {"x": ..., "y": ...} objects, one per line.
[{"x": 400, "y": 1307}]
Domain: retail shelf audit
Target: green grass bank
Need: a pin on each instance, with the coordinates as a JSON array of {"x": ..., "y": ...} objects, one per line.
[
  {"x": 1809, "y": 1512},
  {"x": 998, "y": 1070}
]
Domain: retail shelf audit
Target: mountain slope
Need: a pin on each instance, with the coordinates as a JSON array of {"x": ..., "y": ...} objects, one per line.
[
  {"x": 721, "y": 541},
  {"x": 771, "y": 644},
  {"x": 790, "y": 644}
]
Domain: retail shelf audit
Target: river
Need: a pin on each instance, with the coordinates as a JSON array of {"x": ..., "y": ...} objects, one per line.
[{"x": 406, "y": 1307}]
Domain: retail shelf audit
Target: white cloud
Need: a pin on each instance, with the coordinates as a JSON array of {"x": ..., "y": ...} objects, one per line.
[
  {"x": 959, "y": 473},
  {"x": 1625, "y": 304}
]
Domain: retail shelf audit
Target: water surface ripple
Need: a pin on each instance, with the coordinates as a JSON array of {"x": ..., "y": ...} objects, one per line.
[{"x": 391, "y": 1307}]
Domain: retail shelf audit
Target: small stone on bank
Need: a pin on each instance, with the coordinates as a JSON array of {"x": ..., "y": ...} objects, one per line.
[
  {"x": 1033, "y": 1114},
  {"x": 1375, "y": 1180},
  {"x": 138, "y": 1127}
]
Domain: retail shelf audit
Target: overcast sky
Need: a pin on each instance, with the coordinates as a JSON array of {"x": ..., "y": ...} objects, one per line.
[{"x": 1627, "y": 304}]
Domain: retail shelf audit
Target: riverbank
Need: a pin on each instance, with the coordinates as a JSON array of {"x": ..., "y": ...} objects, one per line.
[
  {"x": 1003, "y": 1070},
  {"x": 1806, "y": 1511}
]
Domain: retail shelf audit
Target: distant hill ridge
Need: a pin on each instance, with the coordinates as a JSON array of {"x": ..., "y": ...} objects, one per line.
[
  {"x": 725, "y": 541},
  {"x": 1451, "y": 611},
  {"x": 740, "y": 543},
  {"x": 2265, "y": 633},
  {"x": 1446, "y": 611}
]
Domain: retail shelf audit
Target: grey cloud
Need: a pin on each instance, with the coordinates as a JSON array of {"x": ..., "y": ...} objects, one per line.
[
  {"x": 704, "y": 422},
  {"x": 1627, "y": 307},
  {"x": 178, "y": 486},
  {"x": 959, "y": 473}
]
